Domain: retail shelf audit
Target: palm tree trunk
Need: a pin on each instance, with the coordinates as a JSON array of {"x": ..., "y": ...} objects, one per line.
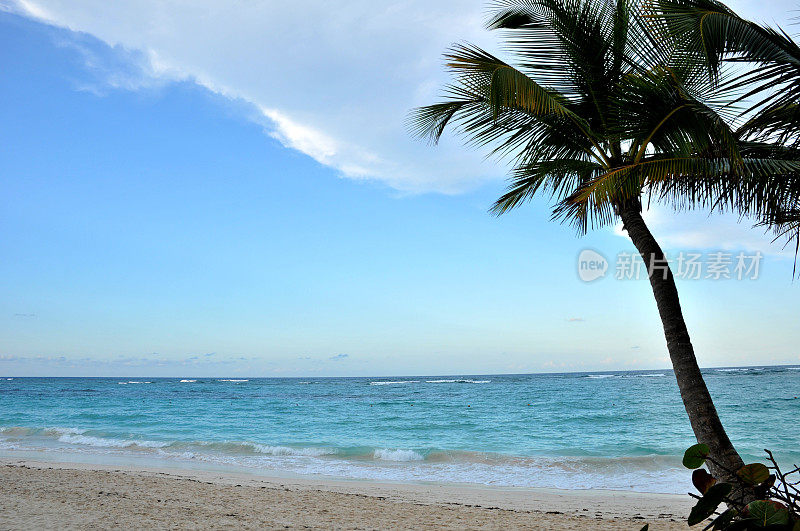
[{"x": 696, "y": 398}]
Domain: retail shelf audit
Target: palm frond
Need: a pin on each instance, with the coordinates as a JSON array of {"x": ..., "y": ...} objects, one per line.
[{"x": 611, "y": 100}]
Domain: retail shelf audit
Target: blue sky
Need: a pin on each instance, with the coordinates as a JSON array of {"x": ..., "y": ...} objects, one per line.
[{"x": 198, "y": 191}]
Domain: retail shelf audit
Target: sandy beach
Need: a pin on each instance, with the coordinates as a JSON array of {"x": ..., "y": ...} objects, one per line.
[{"x": 42, "y": 495}]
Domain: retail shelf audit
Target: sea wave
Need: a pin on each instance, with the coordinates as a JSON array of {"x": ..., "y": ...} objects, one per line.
[
  {"x": 252, "y": 448},
  {"x": 460, "y": 380},
  {"x": 19, "y": 431},
  {"x": 288, "y": 451},
  {"x": 626, "y": 376},
  {"x": 76, "y": 436},
  {"x": 233, "y": 380},
  {"x": 188, "y": 381},
  {"x": 646, "y": 472},
  {"x": 439, "y": 381},
  {"x": 57, "y": 432},
  {"x": 386, "y": 454},
  {"x": 107, "y": 442}
]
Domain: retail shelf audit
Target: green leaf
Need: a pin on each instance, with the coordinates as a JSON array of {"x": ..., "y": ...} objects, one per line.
[
  {"x": 753, "y": 474},
  {"x": 696, "y": 455},
  {"x": 709, "y": 502},
  {"x": 767, "y": 512},
  {"x": 740, "y": 525},
  {"x": 702, "y": 480},
  {"x": 724, "y": 519}
]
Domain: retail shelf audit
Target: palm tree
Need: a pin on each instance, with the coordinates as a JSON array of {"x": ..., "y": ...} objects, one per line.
[
  {"x": 763, "y": 66},
  {"x": 598, "y": 113}
]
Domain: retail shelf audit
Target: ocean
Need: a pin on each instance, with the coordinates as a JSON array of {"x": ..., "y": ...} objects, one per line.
[{"x": 612, "y": 430}]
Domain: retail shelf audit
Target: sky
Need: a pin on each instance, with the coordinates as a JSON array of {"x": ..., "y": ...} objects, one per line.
[{"x": 229, "y": 188}]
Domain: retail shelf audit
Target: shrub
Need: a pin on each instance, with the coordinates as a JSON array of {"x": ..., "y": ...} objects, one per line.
[{"x": 757, "y": 496}]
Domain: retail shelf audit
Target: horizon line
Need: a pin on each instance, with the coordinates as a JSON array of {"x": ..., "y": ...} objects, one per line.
[{"x": 455, "y": 375}]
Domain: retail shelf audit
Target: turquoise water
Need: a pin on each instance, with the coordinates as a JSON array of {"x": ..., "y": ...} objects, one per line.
[{"x": 620, "y": 430}]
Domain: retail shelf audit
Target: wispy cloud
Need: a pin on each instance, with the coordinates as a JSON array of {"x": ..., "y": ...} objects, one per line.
[
  {"x": 699, "y": 230},
  {"x": 339, "y": 357},
  {"x": 334, "y": 82}
]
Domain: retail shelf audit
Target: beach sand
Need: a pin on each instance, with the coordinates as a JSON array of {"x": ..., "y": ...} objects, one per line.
[{"x": 42, "y": 495}]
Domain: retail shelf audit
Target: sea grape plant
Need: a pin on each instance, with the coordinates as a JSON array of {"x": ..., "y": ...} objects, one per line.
[{"x": 757, "y": 496}]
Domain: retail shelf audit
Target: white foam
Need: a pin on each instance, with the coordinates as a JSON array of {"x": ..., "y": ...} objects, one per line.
[
  {"x": 63, "y": 431},
  {"x": 188, "y": 381},
  {"x": 385, "y": 454},
  {"x": 397, "y": 382},
  {"x": 644, "y": 473},
  {"x": 461, "y": 380},
  {"x": 230, "y": 380},
  {"x": 287, "y": 451},
  {"x": 102, "y": 442},
  {"x": 601, "y": 376}
]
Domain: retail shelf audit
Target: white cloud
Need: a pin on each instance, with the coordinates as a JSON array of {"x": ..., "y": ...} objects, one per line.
[
  {"x": 347, "y": 159},
  {"x": 333, "y": 81},
  {"x": 34, "y": 10},
  {"x": 697, "y": 230},
  {"x": 314, "y": 143}
]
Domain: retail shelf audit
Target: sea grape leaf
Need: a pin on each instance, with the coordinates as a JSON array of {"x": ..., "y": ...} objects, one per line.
[
  {"x": 709, "y": 502},
  {"x": 741, "y": 525},
  {"x": 724, "y": 519},
  {"x": 762, "y": 491},
  {"x": 702, "y": 480},
  {"x": 753, "y": 474},
  {"x": 696, "y": 455},
  {"x": 767, "y": 512}
]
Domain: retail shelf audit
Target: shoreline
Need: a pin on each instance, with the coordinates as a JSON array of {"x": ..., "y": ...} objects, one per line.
[{"x": 43, "y": 493}]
